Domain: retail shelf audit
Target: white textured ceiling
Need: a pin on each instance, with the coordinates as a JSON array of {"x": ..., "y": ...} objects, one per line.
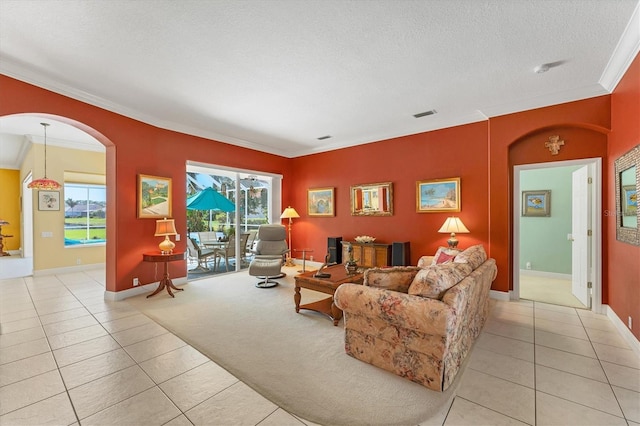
[{"x": 276, "y": 75}]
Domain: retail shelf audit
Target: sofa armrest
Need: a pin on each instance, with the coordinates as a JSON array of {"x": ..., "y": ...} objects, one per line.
[
  {"x": 425, "y": 261},
  {"x": 429, "y": 316}
]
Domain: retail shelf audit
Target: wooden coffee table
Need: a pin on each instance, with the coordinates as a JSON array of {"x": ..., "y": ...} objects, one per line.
[{"x": 324, "y": 285}]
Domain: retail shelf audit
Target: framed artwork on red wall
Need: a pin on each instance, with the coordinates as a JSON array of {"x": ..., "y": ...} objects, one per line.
[
  {"x": 438, "y": 195},
  {"x": 321, "y": 202},
  {"x": 154, "y": 197}
]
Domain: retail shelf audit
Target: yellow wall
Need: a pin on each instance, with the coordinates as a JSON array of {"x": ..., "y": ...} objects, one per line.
[
  {"x": 50, "y": 252},
  {"x": 10, "y": 207}
]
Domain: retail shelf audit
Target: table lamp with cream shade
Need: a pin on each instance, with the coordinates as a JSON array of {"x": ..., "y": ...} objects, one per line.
[
  {"x": 453, "y": 225},
  {"x": 289, "y": 213},
  {"x": 164, "y": 228}
]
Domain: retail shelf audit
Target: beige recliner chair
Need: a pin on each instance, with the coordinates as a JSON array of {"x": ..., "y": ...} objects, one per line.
[{"x": 269, "y": 254}]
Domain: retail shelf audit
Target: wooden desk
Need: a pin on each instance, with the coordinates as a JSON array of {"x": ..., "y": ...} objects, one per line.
[
  {"x": 165, "y": 282},
  {"x": 324, "y": 285}
]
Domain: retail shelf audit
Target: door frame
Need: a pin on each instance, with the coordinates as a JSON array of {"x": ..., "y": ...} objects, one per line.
[{"x": 596, "y": 241}]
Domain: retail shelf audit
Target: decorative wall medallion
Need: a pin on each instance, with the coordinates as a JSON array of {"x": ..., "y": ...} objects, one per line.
[{"x": 554, "y": 144}]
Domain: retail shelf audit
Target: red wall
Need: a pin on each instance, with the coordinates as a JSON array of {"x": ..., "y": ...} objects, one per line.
[
  {"x": 624, "y": 259},
  {"x": 133, "y": 148},
  {"x": 454, "y": 152}
]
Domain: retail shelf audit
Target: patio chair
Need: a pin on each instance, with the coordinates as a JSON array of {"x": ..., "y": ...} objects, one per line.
[
  {"x": 228, "y": 251},
  {"x": 202, "y": 255}
]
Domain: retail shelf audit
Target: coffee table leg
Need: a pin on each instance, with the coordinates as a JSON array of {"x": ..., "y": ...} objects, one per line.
[
  {"x": 296, "y": 298},
  {"x": 336, "y": 313}
]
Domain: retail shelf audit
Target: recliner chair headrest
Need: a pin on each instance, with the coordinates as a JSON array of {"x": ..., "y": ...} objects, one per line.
[{"x": 272, "y": 233}]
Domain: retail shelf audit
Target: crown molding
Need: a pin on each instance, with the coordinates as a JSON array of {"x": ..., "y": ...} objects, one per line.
[{"x": 624, "y": 53}]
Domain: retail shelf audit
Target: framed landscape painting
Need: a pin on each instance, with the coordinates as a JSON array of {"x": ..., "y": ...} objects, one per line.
[
  {"x": 321, "y": 202},
  {"x": 438, "y": 195},
  {"x": 536, "y": 203},
  {"x": 154, "y": 196}
]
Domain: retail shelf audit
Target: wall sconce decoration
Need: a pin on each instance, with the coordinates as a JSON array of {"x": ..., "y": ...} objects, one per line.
[{"x": 554, "y": 144}]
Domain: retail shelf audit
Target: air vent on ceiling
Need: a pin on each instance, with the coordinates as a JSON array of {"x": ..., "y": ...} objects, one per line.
[
  {"x": 321, "y": 138},
  {"x": 424, "y": 114}
]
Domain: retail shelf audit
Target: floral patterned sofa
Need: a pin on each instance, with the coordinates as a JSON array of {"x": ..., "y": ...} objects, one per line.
[{"x": 419, "y": 322}]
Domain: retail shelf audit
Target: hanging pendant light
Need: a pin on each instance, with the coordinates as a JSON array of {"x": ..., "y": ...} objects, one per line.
[{"x": 44, "y": 183}]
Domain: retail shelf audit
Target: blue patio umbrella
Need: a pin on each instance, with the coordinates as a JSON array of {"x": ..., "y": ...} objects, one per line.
[{"x": 212, "y": 200}]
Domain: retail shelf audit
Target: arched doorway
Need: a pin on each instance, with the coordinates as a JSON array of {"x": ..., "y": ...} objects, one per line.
[{"x": 69, "y": 146}]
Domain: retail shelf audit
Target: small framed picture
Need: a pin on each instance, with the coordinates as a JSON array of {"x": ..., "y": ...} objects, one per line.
[
  {"x": 438, "y": 195},
  {"x": 630, "y": 200},
  {"x": 154, "y": 196},
  {"x": 49, "y": 200},
  {"x": 321, "y": 202},
  {"x": 536, "y": 203}
]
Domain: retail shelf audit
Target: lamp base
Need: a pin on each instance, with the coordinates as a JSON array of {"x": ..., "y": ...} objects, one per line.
[
  {"x": 166, "y": 246},
  {"x": 289, "y": 262},
  {"x": 453, "y": 241}
]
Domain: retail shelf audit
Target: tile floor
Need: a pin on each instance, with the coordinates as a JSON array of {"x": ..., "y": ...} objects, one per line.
[{"x": 67, "y": 357}]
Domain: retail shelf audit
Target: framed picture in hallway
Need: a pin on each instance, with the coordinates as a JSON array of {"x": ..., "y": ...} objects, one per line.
[
  {"x": 154, "y": 196},
  {"x": 49, "y": 200},
  {"x": 630, "y": 203},
  {"x": 536, "y": 203}
]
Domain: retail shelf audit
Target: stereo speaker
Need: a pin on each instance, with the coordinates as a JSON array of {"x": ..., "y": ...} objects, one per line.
[
  {"x": 334, "y": 248},
  {"x": 400, "y": 254}
]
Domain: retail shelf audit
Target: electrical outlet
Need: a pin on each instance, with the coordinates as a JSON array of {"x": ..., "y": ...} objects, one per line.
[
  {"x": 78, "y": 261},
  {"x": 177, "y": 237},
  {"x": 528, "y": 265},
  {"x": 630, "y": 324},
  {"x": 136, "y": 282}
]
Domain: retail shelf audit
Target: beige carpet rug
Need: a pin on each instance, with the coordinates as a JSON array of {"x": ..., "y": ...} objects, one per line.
[{"x": 295, "y": 360}]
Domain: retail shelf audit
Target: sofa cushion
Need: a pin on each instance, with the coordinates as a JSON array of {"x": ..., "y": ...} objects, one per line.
[
  {"x": 397, "y": 278},
  {"x": 434, "y": 281},
  {"x": 474, "y": 256}
]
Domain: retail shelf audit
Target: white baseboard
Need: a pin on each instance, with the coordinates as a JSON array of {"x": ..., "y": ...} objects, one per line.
[
  {"x": 115, "y": 296},
  {"x": 499, "y": 295},
  {"x": 68, "y": 269},
  {"x": 544, "y": 274},
  {"x": 622, "y": 328}
]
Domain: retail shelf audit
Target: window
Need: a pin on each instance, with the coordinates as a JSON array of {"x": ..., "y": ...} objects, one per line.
[{"x": 85, "y": 211}]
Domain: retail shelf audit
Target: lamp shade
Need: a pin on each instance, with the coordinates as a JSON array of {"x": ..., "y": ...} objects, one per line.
[
  {"x": 453, "y": 224},
  {"x": 289, "y": 213},
  {"x": 44, "y": 183},
  {"x": 165, "y": 227}
]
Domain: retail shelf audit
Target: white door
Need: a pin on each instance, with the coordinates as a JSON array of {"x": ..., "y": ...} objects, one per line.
[{"x": 580, "y": 230}]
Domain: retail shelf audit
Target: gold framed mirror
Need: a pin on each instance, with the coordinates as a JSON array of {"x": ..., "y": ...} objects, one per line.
[
  {"x": 372, "y": 199},
  {"x": 627, "y": 187}
]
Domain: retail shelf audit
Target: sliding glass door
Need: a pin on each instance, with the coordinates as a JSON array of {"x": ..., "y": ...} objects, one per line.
[{"x": 226, "y": 206}]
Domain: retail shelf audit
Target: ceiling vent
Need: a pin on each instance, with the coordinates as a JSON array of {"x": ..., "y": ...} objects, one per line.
[
  {"x": 424, "y": 114},
  {"x": 321, "y": 138}
]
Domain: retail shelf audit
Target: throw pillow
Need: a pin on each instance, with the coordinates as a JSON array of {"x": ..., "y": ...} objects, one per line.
[
  {"x": 438, "y": 259},
  {"x": 474, "y": 256}
]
